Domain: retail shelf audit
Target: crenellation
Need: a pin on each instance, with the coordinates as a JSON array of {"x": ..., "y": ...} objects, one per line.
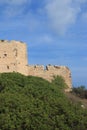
[{"x": 13, "y": 58}]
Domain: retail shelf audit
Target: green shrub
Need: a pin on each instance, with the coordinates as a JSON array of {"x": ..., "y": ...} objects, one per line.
[
  {"x": 59, "y": 82},
  {"x": 32, "y": 103},
  {"x": 80, "y": 91}
]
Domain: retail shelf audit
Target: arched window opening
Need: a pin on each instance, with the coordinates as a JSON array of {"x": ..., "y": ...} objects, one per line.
[{"x": 7, "y": 67}]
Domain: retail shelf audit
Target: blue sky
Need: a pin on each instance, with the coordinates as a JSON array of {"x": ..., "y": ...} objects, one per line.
[{"x": 55, "y": 32}]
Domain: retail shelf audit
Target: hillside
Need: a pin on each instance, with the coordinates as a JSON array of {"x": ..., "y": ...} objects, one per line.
[
  {"x": 32, "y": 103},
  {"x": 75, "y": 99}
]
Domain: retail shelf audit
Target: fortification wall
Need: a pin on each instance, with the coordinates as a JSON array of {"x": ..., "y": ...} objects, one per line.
[
  {"x": 13, "y": 57},
  {"x": 50, "y": 72}
]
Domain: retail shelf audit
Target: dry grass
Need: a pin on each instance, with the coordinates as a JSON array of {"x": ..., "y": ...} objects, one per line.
[{"x": 76, "y": 99}]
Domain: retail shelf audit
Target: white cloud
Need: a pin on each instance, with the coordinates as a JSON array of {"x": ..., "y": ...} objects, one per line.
[
  {"x": 42, "y": 39},
  {"x": 62, "y": 14},
  {"x": 12, "y": 11},
  {"x": 59, "y": 14},
  {"x": 13, "y": 8},
  {"x": 45, "y": 39},
  {"x": 80, "y": 1},
  {"x": 14, "y": 2}
]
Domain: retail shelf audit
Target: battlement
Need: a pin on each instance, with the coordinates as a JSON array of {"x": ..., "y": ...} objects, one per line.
[{"x": 13, "y": 58}]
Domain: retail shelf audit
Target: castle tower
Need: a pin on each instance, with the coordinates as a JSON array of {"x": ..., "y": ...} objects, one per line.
[{"x": 13, "y": 57}]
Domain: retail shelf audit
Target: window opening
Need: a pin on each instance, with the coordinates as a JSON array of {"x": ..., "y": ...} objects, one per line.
[
  {"x": 5, "y": 55},
  {"x": 7, "y": 67}
]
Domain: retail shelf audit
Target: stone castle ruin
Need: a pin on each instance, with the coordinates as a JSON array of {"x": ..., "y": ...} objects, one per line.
[{"x": 13, "y": 58}]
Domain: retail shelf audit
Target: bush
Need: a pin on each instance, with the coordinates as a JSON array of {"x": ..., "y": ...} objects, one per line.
[
  {"x": 32, "y": 103},
  {"x": 80, "y": 91},
  {"x": 59, "y": 82}
]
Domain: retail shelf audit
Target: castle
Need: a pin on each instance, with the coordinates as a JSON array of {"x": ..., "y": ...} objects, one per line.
[{"x": 13, "y": 58}]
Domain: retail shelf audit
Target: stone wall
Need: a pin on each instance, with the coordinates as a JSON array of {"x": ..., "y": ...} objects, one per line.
[
  {"x": 13, "y": 58},
  {"x": 50, "y": 71}
]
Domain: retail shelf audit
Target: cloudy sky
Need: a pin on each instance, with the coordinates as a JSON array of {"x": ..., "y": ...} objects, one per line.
[{"x": 55, "y": 32}]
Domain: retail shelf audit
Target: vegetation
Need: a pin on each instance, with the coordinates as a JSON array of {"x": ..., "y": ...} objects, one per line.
[
  {"x": 80, "y": 91},
  {"x": 31, "y": 103}
]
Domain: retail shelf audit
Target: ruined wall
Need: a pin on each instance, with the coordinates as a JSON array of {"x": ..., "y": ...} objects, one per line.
[
  {"x": 50, "y": 71},
  {"x": 13, "y": 57}
]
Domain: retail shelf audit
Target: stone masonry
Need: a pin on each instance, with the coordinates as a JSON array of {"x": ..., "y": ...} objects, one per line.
[
  {"x": 50, "y": 71},
  {"x": 13, "y": 58}
]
